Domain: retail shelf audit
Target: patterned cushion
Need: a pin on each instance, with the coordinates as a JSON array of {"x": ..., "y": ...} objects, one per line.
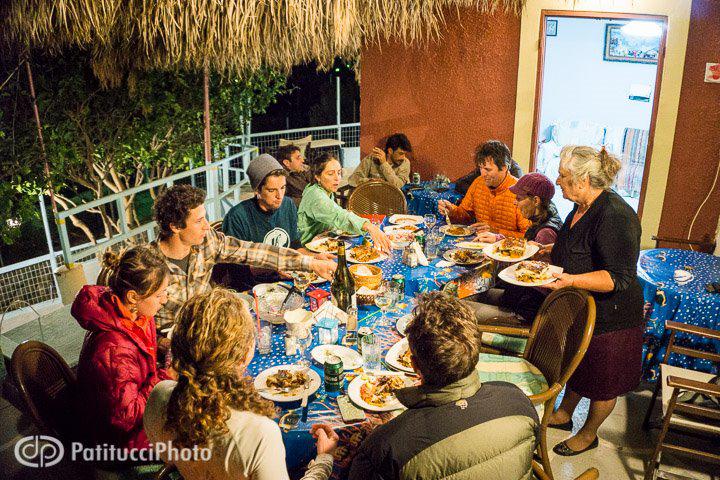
[
  {"x": 504, "y": 342},
  {"x": 515, "y": 370}
]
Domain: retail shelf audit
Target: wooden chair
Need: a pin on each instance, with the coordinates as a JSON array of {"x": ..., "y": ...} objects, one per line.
[
  {"x": 683, "y": 416},
  {"x": 377, "y": 197},
  {"x": 47, "y": 388},
  {"x": 704, "y": 246},
  {"x": 556, "y": 345},
  {"x": 589, "y": 474}
]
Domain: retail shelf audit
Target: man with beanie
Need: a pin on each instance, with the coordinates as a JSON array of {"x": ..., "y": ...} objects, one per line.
[{"x": 269, "y": 217}]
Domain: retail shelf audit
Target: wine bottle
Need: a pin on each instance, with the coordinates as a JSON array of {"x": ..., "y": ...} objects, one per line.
[{"x": 343, "y": 284}]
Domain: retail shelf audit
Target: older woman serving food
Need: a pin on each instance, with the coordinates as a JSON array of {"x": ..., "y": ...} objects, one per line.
[
  {"x": 598, "y": 248},
  {"x": 318, "y": 211}
]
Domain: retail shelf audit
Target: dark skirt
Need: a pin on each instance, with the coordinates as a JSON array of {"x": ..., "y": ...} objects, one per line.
[{"x": 612, "y": 365}]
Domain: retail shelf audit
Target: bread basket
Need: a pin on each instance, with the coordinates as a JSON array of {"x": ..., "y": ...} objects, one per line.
[{"x": 370, "y": 281}]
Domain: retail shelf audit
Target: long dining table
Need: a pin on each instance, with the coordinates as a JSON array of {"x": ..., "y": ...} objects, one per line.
[{"x": 299, "y": 445}]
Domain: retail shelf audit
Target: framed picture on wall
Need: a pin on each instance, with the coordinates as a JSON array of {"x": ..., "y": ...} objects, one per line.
[
  {"x": 621, "y": 47},
  {"x": 551, "y": 28}
]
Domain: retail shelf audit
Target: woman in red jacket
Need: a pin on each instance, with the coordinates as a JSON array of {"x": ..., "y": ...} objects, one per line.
[{"x": 118, "y": 364}]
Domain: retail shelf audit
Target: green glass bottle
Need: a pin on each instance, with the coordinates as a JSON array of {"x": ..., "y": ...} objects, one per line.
[{"x": 343, "y": 284}]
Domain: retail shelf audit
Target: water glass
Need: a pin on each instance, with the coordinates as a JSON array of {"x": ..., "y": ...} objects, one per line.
[
  {"x": 432, "y": 245},
  {"x": 303, "y": 339},
  {"x": 263, "y": 339},
  {"x": 430, "y": 220},
  {"x": 370, "y": 353},
  {"x": 383, "y": 300}
]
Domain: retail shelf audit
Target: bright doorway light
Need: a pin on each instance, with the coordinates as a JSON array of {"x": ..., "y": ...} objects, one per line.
[{"x": 642, "y": 29}]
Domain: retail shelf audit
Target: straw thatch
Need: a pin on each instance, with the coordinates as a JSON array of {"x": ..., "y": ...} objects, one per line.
[{"x": 233, "y": 36}]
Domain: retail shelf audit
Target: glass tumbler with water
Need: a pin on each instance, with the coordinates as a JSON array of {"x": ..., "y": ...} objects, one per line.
[
  {"x": 263, "y": 337},
  {"x": 370, "y": 352}
]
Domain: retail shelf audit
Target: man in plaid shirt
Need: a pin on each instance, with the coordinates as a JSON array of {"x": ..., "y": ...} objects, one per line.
[{"x": 192, "y": 247}]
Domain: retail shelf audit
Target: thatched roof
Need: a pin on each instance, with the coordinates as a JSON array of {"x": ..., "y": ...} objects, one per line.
[{"x": 232, "y": 35}]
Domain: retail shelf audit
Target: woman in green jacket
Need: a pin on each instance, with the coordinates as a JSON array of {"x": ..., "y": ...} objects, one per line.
[{"x": 318, "y": 211}]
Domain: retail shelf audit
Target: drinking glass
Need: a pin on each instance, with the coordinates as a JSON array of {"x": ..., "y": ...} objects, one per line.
[
  {"x": 264, "y": 336},
  {"x": 383, "y": 300},
  {"x": 301, "y": 280},
  {"x": 370, "y": 353},
  {"x": 432, "y": 244},
  {"x": 430, "y": 221},
  {"x": 303, "y": 339}
]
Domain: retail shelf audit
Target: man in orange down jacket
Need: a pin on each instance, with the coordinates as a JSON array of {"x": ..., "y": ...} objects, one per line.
[{"x": 489, "y": 205}]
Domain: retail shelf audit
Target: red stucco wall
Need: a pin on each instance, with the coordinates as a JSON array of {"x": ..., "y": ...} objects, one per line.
[
  {"x": 447, "y": 96},
  {"x": 696, "y": 147}
]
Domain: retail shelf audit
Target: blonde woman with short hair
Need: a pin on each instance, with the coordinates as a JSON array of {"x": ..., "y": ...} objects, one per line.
[{"x": 214, "y": 405}]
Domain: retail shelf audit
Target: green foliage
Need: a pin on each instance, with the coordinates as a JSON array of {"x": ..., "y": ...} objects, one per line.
[{"x": 107, "y": 140}]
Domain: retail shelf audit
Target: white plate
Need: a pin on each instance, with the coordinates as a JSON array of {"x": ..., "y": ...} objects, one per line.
[
  {"x": 402, "y": 323},
  {"x": 449, "y": 257},
  {"x": 403, "y": 219},
  {"x": 530, "y": 250},
  {"x": 351, "y": 257},
  {"x": 392, "y": 356},
  {"x": 467, "y": 231},
  {"x": 350, "y": 358},
  {"x": 509, "y": 276},
  {"x": 401, "y": 238},
  {"x": 354, "y": 394},
  {"x": 292, "y": 396},
  {"x": 317, "y": 246},
  {"x": 472, "y": 245}
]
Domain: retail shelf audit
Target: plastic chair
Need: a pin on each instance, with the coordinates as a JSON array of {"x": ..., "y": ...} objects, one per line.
[
  {"x": 377, "y": 197},
  {"x": 683, "y": 415},
  {"x": 47, "y": 388},
  {"x": 556, "y": 345}
]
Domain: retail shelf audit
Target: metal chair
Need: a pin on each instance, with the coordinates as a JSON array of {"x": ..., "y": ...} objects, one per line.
[
  {"x": 682, "y": 414},
  {"x": 377, "y": 197},
  {"x": 556, "y": 345},
  {"x": 47, "y": 388}
]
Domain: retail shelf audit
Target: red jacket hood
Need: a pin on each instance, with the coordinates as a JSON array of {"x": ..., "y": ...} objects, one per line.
[{"x": 95, "y": 311}]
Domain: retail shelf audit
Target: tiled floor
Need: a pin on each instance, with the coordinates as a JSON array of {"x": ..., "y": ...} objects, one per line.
[{"x": 624, "y": 446}]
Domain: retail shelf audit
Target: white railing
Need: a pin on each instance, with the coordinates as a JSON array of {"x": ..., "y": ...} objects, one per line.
[{"x": 33, "y": 281}]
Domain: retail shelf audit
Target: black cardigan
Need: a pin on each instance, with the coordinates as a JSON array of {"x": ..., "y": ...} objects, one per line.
[{"x": 607, "y": 238}]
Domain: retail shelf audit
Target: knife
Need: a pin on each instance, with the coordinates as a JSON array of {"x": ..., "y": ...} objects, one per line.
[{"x": 304, "y": 404}]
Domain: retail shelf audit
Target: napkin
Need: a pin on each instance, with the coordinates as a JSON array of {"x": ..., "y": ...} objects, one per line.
[
  {"x": 444, "y": 263},
  {"x": 327, "y": 309},
  {"x": 683, "y": 276},
  {"x": 422, "y": 259}
]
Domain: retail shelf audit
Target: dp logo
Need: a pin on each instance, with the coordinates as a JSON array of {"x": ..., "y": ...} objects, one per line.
[{"x": 39, "y": 451}]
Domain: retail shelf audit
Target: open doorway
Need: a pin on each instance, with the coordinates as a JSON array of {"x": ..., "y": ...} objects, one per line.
[{"x": 598, "y": 83}]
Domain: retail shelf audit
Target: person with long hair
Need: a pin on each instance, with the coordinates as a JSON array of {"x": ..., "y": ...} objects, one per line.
[
  {"x": 214, "y": 405},
  {"x": 118, "y": 364},
  {"x": 319, "y": 213}
]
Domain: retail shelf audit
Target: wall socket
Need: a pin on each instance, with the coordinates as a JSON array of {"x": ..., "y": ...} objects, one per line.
[{"x": 712, "y": 72}]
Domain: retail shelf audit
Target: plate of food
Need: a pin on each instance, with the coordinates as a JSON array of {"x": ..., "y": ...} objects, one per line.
[
  {"x": 365, "y": 253},
  {"x": 401, "y": 238},
  {"x": 461, "y": 256},
  {"x": 287, "y": 383},
  {"x": 350, "y": 358},
  {"x": 343, "y": 234},
  {"x": 402, "y": 323},
  {"x": 323, "y": 245},
  {"x": 399, "y": 219},
  {"x": 530, "y": 273},
  {"x": 398, "y": 357},
  {"x": 511, "y": 249},
  {"x": 472, "y": 245},
  {"x": 376, "y": 392},
  {"x": 312, "y": 276},
  {"x": 456, "y": 230}
]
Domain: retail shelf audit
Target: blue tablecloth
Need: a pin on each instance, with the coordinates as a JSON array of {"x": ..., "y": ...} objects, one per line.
[
  {"x": 299, "y": 445},
  {"x": 689, "y": 303},
  {"x": 425, "y": 200}
]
